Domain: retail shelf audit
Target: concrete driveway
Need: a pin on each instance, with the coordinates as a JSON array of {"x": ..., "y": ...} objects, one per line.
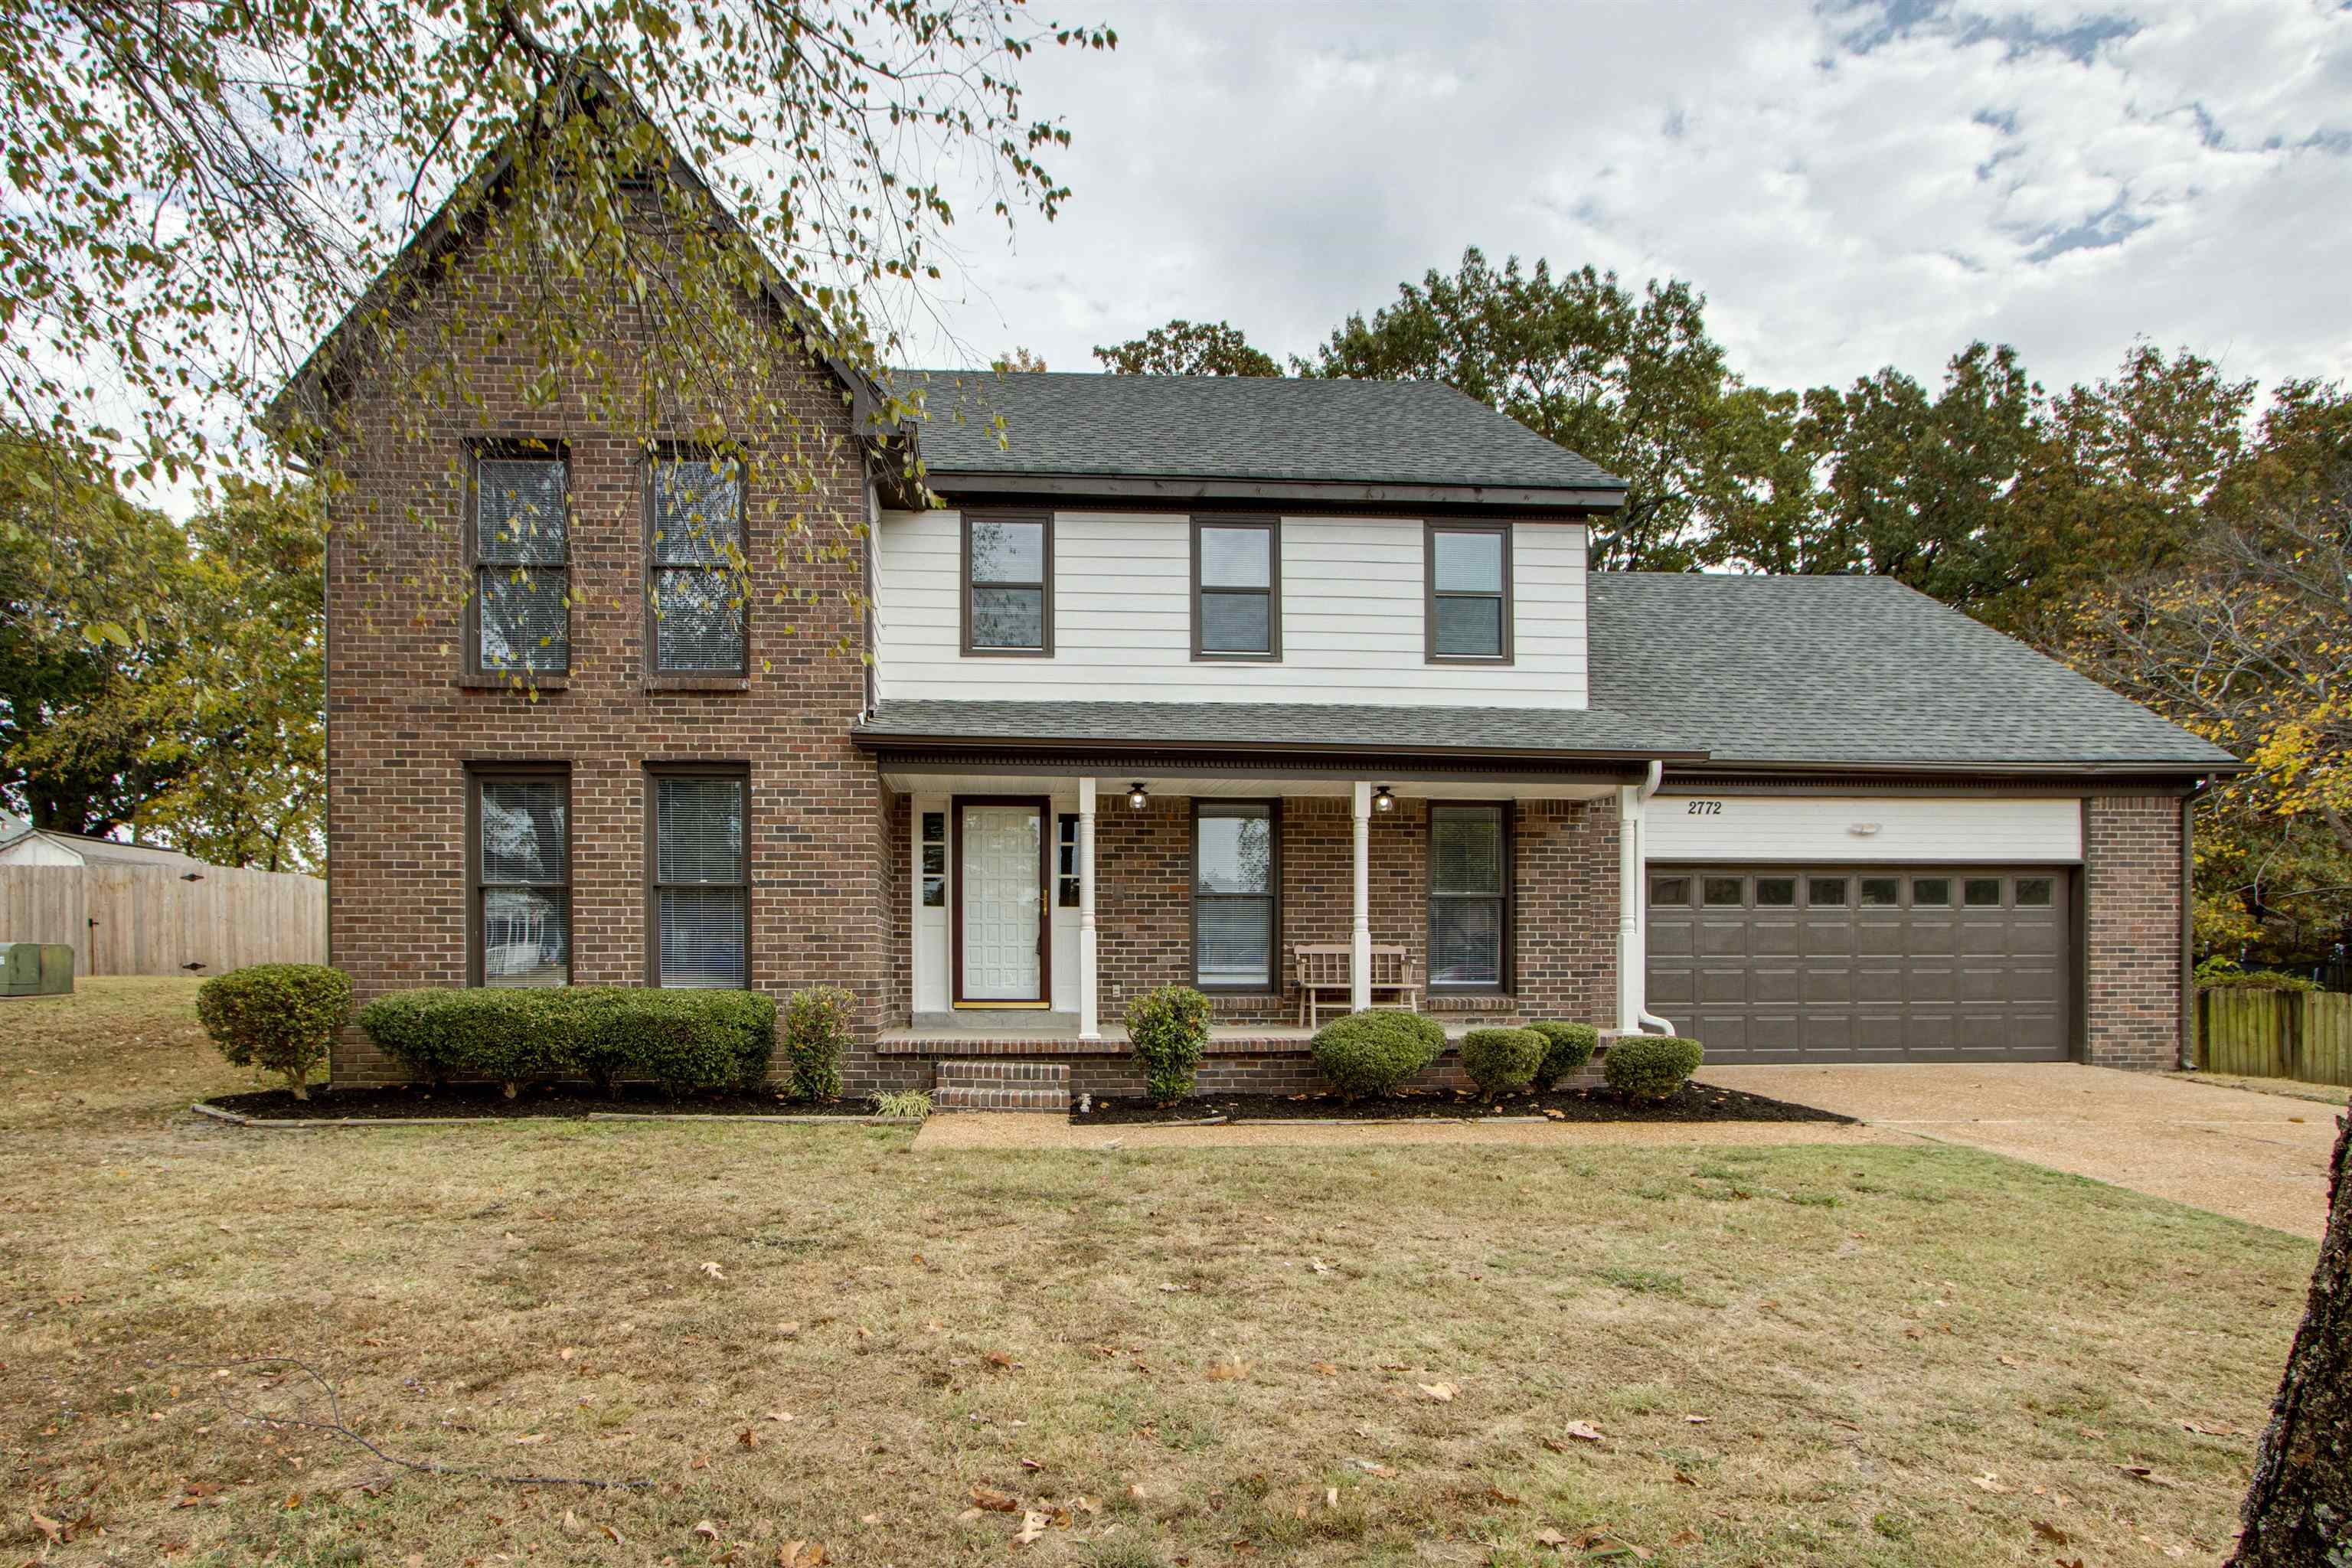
[{"x": 2257, "y": 1157}]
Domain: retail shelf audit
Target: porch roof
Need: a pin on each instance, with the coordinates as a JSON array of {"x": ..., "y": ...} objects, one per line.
[{"x": 1566, "y": 734}]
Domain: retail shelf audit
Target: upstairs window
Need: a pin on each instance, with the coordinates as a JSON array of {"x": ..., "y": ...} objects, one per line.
[
  {"x": 522, "y": 854},
  {"x": 1008, "y": 586},
  {"x": 1236, "y": 589},
  {"x": 521, "y": 538},
  {"x": 696, "y": 597},
  {"x": 701, "y": 879},
  {"x": 1467, "y": 568}
]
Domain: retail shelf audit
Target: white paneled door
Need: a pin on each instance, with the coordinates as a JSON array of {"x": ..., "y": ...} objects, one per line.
[{"x": 1001, "y": 886}]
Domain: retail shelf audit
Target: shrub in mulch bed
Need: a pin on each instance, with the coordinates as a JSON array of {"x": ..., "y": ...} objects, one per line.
[
  {"x": 1691, "y": 1103},
  {"x": 488, "y": 1101}
]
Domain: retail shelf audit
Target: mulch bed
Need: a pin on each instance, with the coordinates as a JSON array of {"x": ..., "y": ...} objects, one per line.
[
  {"x": 487, "y": 1101},
  {"x": 1691, "y": 1102}
]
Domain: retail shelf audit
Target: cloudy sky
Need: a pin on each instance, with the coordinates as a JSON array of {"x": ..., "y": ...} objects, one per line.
[{"x": 1850, "y": 184}]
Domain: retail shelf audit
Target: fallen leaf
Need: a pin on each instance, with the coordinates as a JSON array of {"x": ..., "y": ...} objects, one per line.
[
  {"x": 1698, "y": 1420},
  {"x": 571, "y": 1525},
  {"x": 2215, "y": 1429},
  {"x": 2045, "y": 1531},
  {"x": 799, "y": 1554},
  {"x": 1326, "y": 1369},
  {"x": 1583, "y": 1431},
  {"x": 1369, "y": 1469},
  {"x": 614, "y": 1536},
  {"x": 1442, "y": 1393},
  {"x": 2144, "y": 1473},
  {"x": 1683, "y": 1479},
  {"x": 1990, "y": 1482},
  {"x": 1683, "y": 1538},
  {"x": 51, "y": 1527},
  {"x": 994, "y": 1500},
  {"x": 1033, "y": 1525},
  {"x": 705, "y": 1530},
  {"x": 1000, "y": 1361},
  {"x": 1496, "y": 1494},
  {"x": 1136, "y": 1493},
  {"x": 1318, "y": 1265},
  {"x": 714, "y": 1271},
  {"x": 1228, "y": 1370}
]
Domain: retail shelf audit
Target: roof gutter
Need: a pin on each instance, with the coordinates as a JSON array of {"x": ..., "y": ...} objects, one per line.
[
  {"x": 890, "y": 741},
  {"x": 2231, "y": 769},
  {"x": 1577, "y": 500}
]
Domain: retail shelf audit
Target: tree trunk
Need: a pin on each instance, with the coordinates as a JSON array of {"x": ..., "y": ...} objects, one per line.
[{"x": 2299, "y": 1505}]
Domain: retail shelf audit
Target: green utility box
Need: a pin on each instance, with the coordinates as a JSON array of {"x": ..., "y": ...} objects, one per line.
[{"x": 35, "y": 969}]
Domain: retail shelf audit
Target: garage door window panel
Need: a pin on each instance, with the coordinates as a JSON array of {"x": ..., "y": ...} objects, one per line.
[
  {"x": 2035, "y": 892},
  {"x": 1726, "y": 892},
  {"x": 1882, "y": 892}
]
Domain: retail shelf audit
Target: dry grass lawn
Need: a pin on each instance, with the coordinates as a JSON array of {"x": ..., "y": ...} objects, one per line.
[{"x": 816, "y": 1334}]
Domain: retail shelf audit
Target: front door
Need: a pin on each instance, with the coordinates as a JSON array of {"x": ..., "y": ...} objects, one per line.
[{"x": 1001, "y": 902}]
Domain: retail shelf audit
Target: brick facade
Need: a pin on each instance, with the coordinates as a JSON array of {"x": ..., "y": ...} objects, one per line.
[
  {"x": 404, "y": 724},
  {"x": 2131, "y": 921}
]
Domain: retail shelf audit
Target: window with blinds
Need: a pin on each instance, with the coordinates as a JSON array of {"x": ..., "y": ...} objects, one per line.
[
  {"x": 522, "y": 574},
  {"x": 1236, "y": 920},
  {"x": 695, "y": 555},
  {"x": 1008, "y": 586},
  {"x": 521, "y": 854},
  {"x": 1469, "y": 897},
  {"x": 700, "y": 892},
  {"x": 1468, "y": 569},
  {"x": 1236, "y": 588}
]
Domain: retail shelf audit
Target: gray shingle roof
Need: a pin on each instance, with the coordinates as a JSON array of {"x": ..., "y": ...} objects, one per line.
[
  {"x": 1305, "y": 725},
  {"x": 1232, "y": 427},
  {"x": 1852, "y": 670}
]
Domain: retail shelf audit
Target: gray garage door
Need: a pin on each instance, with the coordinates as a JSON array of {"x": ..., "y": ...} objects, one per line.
[{"x": 1780, "y": 964}]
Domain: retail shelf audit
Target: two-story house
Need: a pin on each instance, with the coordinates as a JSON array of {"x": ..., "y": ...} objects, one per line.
[{"x": 1178, "y": 675}]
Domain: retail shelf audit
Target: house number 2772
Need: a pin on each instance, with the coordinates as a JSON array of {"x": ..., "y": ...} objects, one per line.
[{"x": 1704, "y": 808}]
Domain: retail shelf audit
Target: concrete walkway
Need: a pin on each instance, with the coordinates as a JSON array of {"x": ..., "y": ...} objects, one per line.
[{"x": 2256, "y": 1157}]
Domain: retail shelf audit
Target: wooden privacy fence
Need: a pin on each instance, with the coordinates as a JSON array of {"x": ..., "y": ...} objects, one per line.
[
  {"x": 2303, "y": 1034},
  {"x": 150, "y": 920}
]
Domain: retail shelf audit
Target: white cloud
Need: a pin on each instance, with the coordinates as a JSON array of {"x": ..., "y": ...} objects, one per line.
[{"x": 1850, "y": 184}]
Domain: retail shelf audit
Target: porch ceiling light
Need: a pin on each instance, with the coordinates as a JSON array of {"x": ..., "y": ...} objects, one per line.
[
  {"x": 1382, "y": 800},
  {"x": 1135, "y": 799}
]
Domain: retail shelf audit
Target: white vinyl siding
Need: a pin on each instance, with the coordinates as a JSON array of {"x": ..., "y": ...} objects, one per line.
[
  {"x": 1826, "y": 829},
  {"x": 1352, "y": 612}
]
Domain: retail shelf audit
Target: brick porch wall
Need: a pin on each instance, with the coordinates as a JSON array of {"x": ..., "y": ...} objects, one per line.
[
  {"x": 2132, "y": 892},
  {"x": 1564, "y": 953}
]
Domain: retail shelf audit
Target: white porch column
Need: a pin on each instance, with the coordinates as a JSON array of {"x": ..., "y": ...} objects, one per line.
[
  {"x": 1089, "y": 1005},
  {"x": 1631, "y": 990},
  {"x": 1359, "y": 941}
]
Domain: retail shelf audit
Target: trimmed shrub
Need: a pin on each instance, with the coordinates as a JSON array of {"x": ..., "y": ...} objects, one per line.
[
  {"x": 1372, "y": 1053},
  {"x": 611, "y": 1033},
  {"x": 276, "y": 1017},
  {"x": 1566, "y": 1048},
  {"x": 1169, "y": 1029},
  {"x": 1500, "y": 1059},
  {"x": 815, "y": 1031},
  {"x": 2255, "y": 980},
  {"x": 1650, "y": 1067}
]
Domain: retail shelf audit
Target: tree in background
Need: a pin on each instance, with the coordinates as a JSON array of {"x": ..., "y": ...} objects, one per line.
[
  {"x": 90, "y": 589},
  {"x": 1635, "y": 383},
  {"x": 165, "y": 680},
  {"x": 1188, "y": 348}
]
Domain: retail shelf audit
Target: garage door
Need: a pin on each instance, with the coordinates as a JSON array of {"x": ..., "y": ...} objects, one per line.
[{"x": 1780, "y": 963}]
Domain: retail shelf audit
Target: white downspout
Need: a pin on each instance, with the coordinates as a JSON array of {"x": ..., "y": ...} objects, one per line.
[{"x": 1632, "y": 991}]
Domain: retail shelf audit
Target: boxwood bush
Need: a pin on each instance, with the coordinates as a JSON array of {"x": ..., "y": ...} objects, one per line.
[
  {"x": 276, "y": 1017},
  {"x": 1169, "y": 1030},
  {"x": 1566, "y": 1048},
  {"x": 816, "y": 1031},
  {"x": 1372, "y": 1053},
  {"x": 1501, "y": 1059},
  {"x": 1650, "y": 1067},
  {"x": 610, "y": 1033}
]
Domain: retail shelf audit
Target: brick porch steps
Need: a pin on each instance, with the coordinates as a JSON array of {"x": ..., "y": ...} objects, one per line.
[{"x": 1001, "y": 1086}]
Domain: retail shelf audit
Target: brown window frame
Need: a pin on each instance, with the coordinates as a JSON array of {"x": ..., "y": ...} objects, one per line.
[
  {"x": 476, "y": 774},
  {"x": 1504, "y": 969},
  {"x": 509, "y": 449},
  {"x": 1509, "y": 598},
  {"x": 654, "y": 772},
  {"x": 1272, "y": 896},
  {"x": 1272, "y": 528},
  {"x": 1046, "y": 587},
  {"x": 676, "y": 452}
]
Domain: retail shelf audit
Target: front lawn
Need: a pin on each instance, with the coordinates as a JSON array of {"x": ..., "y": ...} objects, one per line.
[{"x": 1492, "y": 1355}]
